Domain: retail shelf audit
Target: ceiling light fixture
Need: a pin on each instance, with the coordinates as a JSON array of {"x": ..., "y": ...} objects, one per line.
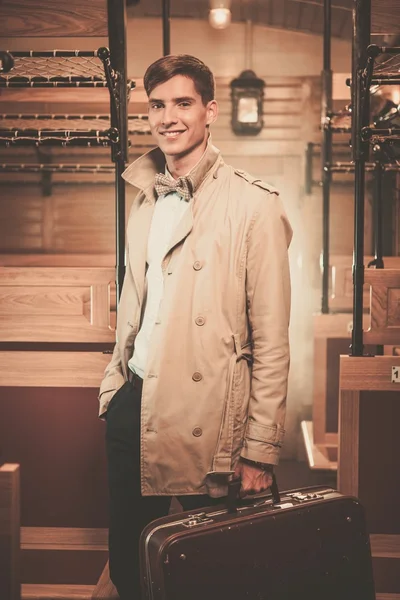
[{"x": 220, "y": 14}]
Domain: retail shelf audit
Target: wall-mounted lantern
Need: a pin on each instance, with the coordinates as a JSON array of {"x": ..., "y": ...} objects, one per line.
[{"x": 247, "y": 92}]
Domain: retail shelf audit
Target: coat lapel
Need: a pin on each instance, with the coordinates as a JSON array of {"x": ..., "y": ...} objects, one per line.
[{"x": 183, "y": 228}]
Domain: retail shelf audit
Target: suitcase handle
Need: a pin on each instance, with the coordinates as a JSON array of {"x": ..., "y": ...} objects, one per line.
[{"x": 233, "y": 498}]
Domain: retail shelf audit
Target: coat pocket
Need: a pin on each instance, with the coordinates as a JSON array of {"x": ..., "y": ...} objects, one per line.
[{"x": 106, "y": 399}]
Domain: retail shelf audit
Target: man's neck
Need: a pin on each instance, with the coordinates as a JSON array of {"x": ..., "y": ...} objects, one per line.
[{"x": 179, "y": 166}]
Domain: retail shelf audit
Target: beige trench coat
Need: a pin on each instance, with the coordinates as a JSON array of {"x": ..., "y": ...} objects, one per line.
[{"x": 216, "y": 377}]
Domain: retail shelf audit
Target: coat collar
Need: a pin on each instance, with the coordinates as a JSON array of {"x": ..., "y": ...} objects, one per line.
[{"x": 142, "y": 172}]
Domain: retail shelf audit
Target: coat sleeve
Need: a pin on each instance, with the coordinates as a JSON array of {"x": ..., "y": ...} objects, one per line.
[
  {"x": 113, "y": 379},
  {"x": 268, "y": 305}
]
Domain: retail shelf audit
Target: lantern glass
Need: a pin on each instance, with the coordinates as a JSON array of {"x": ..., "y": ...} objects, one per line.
[{"x": 248, "y": 110}]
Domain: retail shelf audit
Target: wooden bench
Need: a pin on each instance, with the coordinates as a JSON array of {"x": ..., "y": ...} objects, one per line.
[
  {"x": 332, "y": 337},
  {"x": 369, "y": 457},
  {"x": 50, "y": 369}
]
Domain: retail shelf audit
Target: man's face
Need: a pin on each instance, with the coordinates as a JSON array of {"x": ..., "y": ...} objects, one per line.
[{"x": 178, "y": 118}]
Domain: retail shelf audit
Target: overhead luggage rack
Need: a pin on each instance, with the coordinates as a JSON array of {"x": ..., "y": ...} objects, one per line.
[
  {"x": 78, "y": 130},
  {"x": 102, "y": 68},
  {"x": 57, "y": 68}
]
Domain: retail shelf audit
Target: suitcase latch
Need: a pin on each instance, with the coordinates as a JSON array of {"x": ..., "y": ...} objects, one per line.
[
  {"x": 305, "y": 497},
  {"x": 195, "y": 520}
]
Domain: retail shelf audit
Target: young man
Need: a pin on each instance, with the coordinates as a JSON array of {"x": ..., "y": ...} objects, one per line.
[{"x": 196, "y": 388}]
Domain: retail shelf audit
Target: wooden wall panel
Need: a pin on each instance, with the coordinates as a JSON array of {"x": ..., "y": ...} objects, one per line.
[
  {"x": 52, "y": 18},
  {"x": 82, "y": 216},
  {"x": 21, "y": 218},
  {"x": 45, "y": 304},
  {"x": 55, "y": 435}
]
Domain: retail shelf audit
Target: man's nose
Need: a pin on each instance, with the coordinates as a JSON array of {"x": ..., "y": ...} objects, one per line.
[{"x": 169, "y": 115}]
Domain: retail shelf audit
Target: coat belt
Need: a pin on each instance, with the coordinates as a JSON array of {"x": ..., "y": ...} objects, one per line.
[{"x": 222, "y": 462}]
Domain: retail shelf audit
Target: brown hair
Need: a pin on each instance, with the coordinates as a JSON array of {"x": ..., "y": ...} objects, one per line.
[{"x": 182, "y": 64}]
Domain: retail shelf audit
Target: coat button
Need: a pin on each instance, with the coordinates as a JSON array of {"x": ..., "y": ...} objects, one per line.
[
  {"x": 197, "y": 432},
  {"x": 197, "y": 265},
  {"x": 200, "y": 321},
  {"x": 197, "y": 376}
]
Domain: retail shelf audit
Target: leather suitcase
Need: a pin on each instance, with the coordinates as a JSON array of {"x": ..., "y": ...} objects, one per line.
[{"x": 309, "y": 544}]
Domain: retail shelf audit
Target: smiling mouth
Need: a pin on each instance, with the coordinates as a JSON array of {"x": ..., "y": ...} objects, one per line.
[{"x": 171, "y": 134}]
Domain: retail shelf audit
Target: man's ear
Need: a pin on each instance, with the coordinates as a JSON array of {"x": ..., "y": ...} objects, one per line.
[{"x": 212, "y": 111}]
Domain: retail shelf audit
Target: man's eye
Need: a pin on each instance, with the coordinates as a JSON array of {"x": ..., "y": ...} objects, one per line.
[
  {"x": 184, "y": 104},
  {"x": 155, "y": 106}
]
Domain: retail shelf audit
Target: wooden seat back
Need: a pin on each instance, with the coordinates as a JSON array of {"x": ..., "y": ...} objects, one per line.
[
  {"x": 10, "y": 586},
  {"x": 384, "y": 306}
]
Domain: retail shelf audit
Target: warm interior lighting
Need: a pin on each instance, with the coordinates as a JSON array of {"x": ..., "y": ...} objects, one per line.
[{"x": 220, "y": 18}]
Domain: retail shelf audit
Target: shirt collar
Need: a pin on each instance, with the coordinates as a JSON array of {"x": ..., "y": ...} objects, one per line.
[{"x": 142, "y": 172}]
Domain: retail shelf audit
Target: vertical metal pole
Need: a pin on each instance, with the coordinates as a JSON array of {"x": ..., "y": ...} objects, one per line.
[
  {"x": 119, "y": 119},
  {"x": 378, "y": 227},
  {"x": 308, "y": 180},
  {"x": 166, "y": 27},
  {"x": 360, "y": 95},
  {"x": 326, "y": 110},
  {"x": 378, "y": 215}
]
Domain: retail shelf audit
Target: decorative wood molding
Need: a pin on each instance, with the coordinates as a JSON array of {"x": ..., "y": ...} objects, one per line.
[
  {"x": 385, "y": 306},
  {"x": 48, "y": 304}
]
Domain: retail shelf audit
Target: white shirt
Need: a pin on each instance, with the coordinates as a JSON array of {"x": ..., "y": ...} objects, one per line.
[{"x": 168, "y": 211}]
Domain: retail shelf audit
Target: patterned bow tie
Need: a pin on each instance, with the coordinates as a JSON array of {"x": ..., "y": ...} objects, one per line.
[{"x": 165, "y": 185}]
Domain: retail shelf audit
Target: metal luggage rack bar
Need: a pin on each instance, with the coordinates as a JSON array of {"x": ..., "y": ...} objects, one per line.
[
  {"x": 137, "y": 124},
  {"x": 374, "y": 134},
  {"x": 56, "y": 168},
  {"x": 26, "y": 137},
  {"x": 339, "y": 122},
  {"x": 348, "y": 167}
]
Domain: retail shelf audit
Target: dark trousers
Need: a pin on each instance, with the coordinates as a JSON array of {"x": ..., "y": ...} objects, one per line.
[{"x": 130, "y": 512}]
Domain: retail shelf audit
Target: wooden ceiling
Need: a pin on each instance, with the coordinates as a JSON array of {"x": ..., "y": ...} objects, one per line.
[
  {"x": 84, "y": 19},
  {"x": 298, "y": 15}
]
